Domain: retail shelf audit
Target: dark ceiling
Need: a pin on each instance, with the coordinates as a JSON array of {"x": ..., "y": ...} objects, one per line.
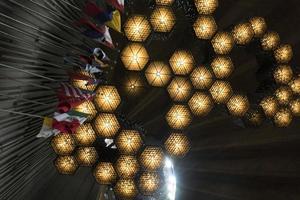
[{"x": 227, "y": 161}]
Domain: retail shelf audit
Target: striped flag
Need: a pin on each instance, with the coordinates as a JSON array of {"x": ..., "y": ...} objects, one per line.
[
  {"x": 68, "y": 122},
  {"x": 106, "y": 39},
  {"x": 69, "y": 91},
  {"x": 47, "y": 130},
  {"x": 93, "y": 10}
]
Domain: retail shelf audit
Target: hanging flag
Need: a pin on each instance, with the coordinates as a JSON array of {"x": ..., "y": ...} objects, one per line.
[
  {"x": 68, "y": 122},
  {"x": 47, "y": 129},
  {"x": 80, "y": 76},
  {"x": 69, "y": 91},
  {"x": 68, "y": 104},
  {"x": 92, "y": 69},
  {"x": 106, "y": 40},
  {"x": 101, "y": 15},
  {"x": 100, "y": 54},
  {"x": 86, "y": 59},
  {"x": 115, "y": 22},
  {"x": 90, "y": 29},
  {"x": 118, "y": 4}
]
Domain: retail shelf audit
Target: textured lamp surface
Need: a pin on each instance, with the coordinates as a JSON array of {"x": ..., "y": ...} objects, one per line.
[
  {"x": 164, "y": 2},
  {"x": 88, "y": 108},
  {"x": 283, "y": 118},
  {"x": 259, "y": 26},
  {"x": 222, "y": 66},
  {"x": 284, "y": 95},
  {"x": 243, "y": 33},
  {"x": 201, "y": 104},
  {"x": 222, "y": 43},
  {"x": 158, "y": 74},
  {"x": 134, "y": 57},
  {"x": 254, "y": 117},
  {"x": 284, "y": 53},
  {"x": 137, "y": 28},
  {"x": 295, "y": 85},
  {"x": 149, "y": 183},
  {"x": 283, "y": 74},
  {"x": 63, "y": 144},
  {"x": 106, "y": 125},
  {"x": 270, "y": 41},
  {"x": 206, "y": 6},
  {"x": 105, "y": 173},
  {"x": 66, "y": 165},
  {"x": 162, "y": 19},
  {"x": 127, "y": 166},
  {"x": 85, "y": 135},
  {"x": 295, "y": 107},
  {"x": 133, "y": 84},
  {"x": 238, "y": 105},
  {"x": 182, "y": 62},
  {"x": 86, "y": 156},
  {"x": 205, "y": 27},
  {"x": 269, "y": 106},
  {"x": 177, "y": 145},
  {"x": 221, "y": 91},
  {"x": 107, "y": 98},
  {"x": 152, "y": 158},
  {"x": 201, "y": 78},
  {"x": 129, "y": 142},
  {"x": 125, "y": 189},
  {"x": 180, "y": 89},
  {"x": 81, "y": 84},
  {"x": 179, "y": 117}
]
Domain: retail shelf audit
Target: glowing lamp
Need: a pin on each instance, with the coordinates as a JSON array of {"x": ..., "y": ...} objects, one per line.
[
  {"x": 66, "y": 165},
  {"x": 283, "y": 118},
  {"x": 205, "y": 27},
  {"x": 269, "y": 106},
  {"x": 134, "y": 57},
  {"x": 254, "y": 117},
  {"x": 222, "y": 67},
  {"x": 149, "y": 183},
  {"x": 106, "y": 125},
  {"x": 164, "y": 2},
  {"x": 107, "y": 98},
  {"x": 284, "y": 53},
  {"x": 221, "y": 91},
  {"x": 105, "y": 173},
  {"x": 270, "y": 41},
  {"x": 179, "y": 117},
  {"x": 88, "y": 108},
  {"x": 81, "y": 84},
  {"x": 86, "y": 156},
  {"x": 238, "y": 105},
  {"x": 162, "y": 19},
  {"x": 201, "y": 104},
  {"x": 284, "y": 95},
  {"x": 182, "y": 62},
  {"x": 180, "y": 89},
  {"x": 222, "y": 43},
  {"x": 127, "y": 166},
  {"x": 152, "y": 158},
  {"x": 85, "y": 135},
  {"x": 259, "y": 26},
  {"x": 295, "y": 107},
  {"x": 243, "y": 33},
  {"x": 177, "y": 145},
  {"x": 158, "y": 74},
  {"x": 63, "y": 144},
  {"x": 125, "y": 189},
  {"x": 295, "y": 85},
  {"x": 129, "y": 142},
  {"x": 137, "y": 28},
  {"x": 201, "y": 78},
  {"x": 206, "y": 7},
  {"x": 283, "y": 74}
]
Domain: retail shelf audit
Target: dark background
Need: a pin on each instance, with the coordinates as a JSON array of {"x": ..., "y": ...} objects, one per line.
[{"x": 227, "y": 161}]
